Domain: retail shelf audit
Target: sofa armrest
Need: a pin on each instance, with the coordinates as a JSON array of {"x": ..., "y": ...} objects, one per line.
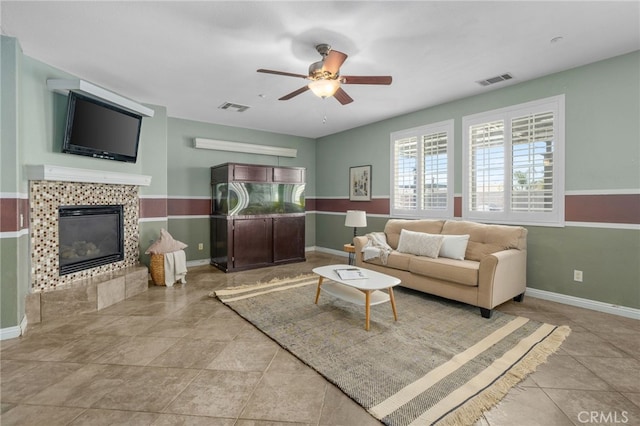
[
  {"x": 502, "y": 276},
  {"x": 359, "y": 242}
]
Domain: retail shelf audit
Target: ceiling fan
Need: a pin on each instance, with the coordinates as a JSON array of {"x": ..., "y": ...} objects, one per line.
[{"x": 326, "y": 79}]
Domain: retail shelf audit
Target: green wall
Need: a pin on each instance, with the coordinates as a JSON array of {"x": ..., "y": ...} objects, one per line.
[
  {"x": 602, "y": 128},
  {"x": 602, "y": 138},
  {"x": 189, "y": 175}
]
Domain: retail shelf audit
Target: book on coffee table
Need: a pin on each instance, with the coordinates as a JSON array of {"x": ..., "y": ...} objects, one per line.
[{"x": 350, "y": 274}]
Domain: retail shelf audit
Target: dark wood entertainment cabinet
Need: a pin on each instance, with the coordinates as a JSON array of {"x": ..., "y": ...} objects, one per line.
[{"x": 257, "y": 216}]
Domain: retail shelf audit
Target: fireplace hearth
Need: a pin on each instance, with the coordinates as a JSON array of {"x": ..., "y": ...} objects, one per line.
[{"x": 89, "y": 236}]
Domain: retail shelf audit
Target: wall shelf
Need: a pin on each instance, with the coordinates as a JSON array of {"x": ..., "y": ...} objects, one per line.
[{"x": 63, "y": 86}]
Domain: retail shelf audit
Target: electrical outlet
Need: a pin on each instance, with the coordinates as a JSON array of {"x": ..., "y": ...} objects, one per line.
[
  {"x": 577, "y": 275},
  {"x": 200, "y": 246}
]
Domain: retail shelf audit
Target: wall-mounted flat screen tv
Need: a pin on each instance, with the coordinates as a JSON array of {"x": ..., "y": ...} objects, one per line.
[{"x": 100, "y": 130}]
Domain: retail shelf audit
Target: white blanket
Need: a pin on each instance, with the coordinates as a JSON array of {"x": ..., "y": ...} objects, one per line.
[
  {"x": 175, "y": 267},
  {"x": 376, "y": 247}
]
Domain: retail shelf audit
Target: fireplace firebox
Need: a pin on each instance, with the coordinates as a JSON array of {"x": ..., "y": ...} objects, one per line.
[{"x": 89, "y": 236}]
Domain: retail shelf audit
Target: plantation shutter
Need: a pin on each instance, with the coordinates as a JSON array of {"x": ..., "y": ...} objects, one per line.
[
  {"x": 435, "y": 183},
  {"x": 405, "y": 174},
  {"x": 533, "y": 156},
  {"x": 486, "y": 166}
]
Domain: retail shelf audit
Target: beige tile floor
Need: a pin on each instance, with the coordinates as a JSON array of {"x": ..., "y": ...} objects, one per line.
[{"x": 176, "y": 356}]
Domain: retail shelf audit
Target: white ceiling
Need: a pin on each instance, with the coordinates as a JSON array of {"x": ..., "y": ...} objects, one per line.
[{"x": 194, "y": 56}]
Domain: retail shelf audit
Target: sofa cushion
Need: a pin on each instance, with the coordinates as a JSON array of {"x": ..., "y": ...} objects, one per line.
[
  {"x": 454, "y": 246},
  {"x": 394, "y": 226},
  {"x": 419, "y": 243},
  {"x": 396, "y": 260},
  {"x": 487, "y": 239},
  {"x": 463, "y": 272}
]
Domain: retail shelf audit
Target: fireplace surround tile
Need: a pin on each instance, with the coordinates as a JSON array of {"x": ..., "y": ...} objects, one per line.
[
  {"x": 45, "y": 197},
  {"x": 136, "y": 281},
  {"x": 87, "y": 295},
  {"x": 110, "y": 292}
]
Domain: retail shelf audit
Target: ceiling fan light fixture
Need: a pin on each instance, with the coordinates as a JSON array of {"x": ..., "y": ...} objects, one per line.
[{"x": 324, "y": 88}]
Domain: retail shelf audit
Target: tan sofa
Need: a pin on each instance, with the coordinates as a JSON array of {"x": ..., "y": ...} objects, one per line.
[{"x": 493, "y": 271}]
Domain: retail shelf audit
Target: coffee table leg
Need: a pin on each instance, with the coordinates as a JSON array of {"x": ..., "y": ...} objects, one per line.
[
  {"x": 318, "y": 291},
  {"x": 393, "y": 304},
  {"x": 367, "y": 312}
]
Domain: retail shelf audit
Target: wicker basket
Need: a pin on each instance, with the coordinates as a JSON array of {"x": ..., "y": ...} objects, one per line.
[{"x": 156, "y": 266}]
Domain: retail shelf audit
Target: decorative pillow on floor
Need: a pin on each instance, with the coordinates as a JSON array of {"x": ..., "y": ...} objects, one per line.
[
  {"x": 165, "y": 244},
  {"x": 454, "y": 246},
  {"x": 419, "y": 243}
]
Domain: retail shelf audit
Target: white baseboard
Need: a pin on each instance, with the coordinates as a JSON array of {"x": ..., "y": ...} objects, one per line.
[
  {"x": 10, "y": 333},
  {"x": 331, "y": 251},
  {"x": 594, "y": 305},
  {"x": 198, "y": 262}
]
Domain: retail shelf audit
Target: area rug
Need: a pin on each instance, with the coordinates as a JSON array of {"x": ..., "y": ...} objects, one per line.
[{"x": 440, "y": 363}]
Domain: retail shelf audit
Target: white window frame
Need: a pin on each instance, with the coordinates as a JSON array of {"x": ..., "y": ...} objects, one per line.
[
  {"x": 555, "y": 104},
  {"x": 418, "y": 132}
]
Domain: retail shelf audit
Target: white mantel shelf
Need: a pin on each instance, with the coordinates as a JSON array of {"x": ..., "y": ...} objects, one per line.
[{"x": 71, "y": 174}]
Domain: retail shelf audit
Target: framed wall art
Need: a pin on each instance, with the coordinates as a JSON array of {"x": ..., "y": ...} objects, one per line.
[{"x": 360, "y": 183}]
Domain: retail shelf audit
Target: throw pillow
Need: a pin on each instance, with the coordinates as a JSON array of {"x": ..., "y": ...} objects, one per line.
[
  {"x": 454, "y": 246},
  {"x": 165, "y": 244},
  {"x": 419, "y": 243}
]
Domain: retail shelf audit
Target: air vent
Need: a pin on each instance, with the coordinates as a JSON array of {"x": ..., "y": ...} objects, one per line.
[
  {"x": 494, "y": 80},
  {"x": 231, "y": 106}
]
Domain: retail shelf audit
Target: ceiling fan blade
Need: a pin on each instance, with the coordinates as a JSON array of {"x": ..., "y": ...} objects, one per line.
[
  {"x": 295, "y": 93},
  {"x": 334, "y": 61},
  {"x": 365, "y": 79},
  {"x": 342, "y": 96},
  {"x": 288, "y": 74}
]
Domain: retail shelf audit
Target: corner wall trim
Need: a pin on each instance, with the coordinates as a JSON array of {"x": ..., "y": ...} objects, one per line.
[
  {"x": 245, "y": 147},
  {"x": 594, "y": 305}
]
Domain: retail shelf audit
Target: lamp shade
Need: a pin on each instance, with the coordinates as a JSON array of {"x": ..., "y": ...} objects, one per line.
[
  {"x": 356, "y": 219},
  {"x": 324, "y": 88}
]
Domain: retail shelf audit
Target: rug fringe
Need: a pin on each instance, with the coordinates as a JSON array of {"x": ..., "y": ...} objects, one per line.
[
  {"x": 245, "y": 289},
  {"x": 260, "y": 284},
  {"x": 473, "y": 409}
]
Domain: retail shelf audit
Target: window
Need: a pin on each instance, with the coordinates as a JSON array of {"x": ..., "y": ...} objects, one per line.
[
  {"x": 422, "y": 171},
  {"x": 513, "y": 164}
]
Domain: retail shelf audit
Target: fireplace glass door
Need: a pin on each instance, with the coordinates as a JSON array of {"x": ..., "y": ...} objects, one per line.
[{"x": 90, "y": 236}]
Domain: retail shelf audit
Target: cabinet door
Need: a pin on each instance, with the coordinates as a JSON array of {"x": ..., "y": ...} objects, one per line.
[
  {"x": 288, "y": 175},
  {"x": 252, "y": 242},
  {"x": 250, "y": 173},
  {"x": 288, "y": 238}
]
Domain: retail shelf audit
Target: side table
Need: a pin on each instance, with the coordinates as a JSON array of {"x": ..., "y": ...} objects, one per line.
[{"x": 349, "y": 248}]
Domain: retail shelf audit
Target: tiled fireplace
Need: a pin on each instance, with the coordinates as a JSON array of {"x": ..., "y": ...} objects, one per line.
[
  {"x": 45, "y": 197},
  {"x": 92, "y": 287}
]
